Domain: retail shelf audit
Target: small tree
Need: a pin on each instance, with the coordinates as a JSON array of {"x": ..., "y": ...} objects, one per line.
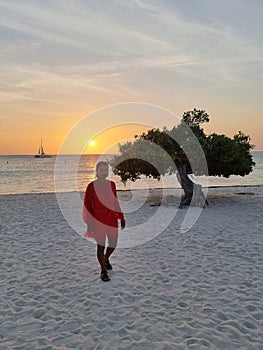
[{"x": 184, "y": 150}]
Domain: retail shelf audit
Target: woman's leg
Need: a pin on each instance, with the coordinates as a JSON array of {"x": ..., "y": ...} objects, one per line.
[
  {"x": 110, "y": 249},
  {"x": 100, "y": 256}
]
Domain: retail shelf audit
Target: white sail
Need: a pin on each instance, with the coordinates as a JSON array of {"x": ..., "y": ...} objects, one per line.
[{"x": 41, "y": 153}]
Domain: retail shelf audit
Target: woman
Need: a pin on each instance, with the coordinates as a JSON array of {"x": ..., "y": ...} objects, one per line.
[{"x": 101, "y": 212}]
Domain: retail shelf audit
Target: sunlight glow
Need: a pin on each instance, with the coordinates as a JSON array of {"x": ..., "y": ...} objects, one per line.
[{"x": 92, "y": 143}]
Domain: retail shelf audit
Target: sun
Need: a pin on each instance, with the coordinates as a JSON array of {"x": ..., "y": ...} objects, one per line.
[{"x": 92, "y": 143}]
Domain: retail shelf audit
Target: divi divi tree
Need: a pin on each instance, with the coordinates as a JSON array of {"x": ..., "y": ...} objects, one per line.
[{"x": 184, "y": 150}]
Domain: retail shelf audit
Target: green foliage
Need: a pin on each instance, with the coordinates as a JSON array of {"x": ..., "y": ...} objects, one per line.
[
  {"x": 159, "y": 152},
  {"x": 226, "y": 156},
  {"x": 143, "y": 157},
  {"x": 194, "y": 118}
]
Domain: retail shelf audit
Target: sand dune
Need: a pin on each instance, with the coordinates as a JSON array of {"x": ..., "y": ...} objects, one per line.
[{"x": 201, "y": 289}]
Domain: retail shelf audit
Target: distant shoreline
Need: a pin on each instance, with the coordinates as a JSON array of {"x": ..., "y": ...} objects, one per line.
[
  {"x": 136, "y": 189},
  {"x": 79, "y": 155}
]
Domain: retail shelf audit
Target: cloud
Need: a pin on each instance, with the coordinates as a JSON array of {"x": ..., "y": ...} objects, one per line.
[
  {"x": 123, "y": 31},
  {"x": 152, "y": 6},
  {"x": 74, "y": 45}
]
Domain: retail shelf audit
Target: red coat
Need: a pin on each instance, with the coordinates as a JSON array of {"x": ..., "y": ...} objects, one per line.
[{"x": 101, "y": 209}]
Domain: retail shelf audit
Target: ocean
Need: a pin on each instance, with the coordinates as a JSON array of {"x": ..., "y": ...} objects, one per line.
[{"x": 26, "y": 174}]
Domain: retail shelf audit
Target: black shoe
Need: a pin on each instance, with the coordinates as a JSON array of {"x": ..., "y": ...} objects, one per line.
[
  {"x": 108, "y": 265},
  {"x": 104, "y": 276}
]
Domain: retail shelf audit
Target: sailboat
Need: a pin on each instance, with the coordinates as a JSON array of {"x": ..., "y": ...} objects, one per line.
[{"x": 41, "y": 153}]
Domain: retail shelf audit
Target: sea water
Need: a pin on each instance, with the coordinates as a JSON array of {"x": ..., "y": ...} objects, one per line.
[{"x": 26, "y": 174}]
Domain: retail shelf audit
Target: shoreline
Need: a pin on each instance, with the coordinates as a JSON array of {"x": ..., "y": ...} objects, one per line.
[{"x": 140, "y": 189}]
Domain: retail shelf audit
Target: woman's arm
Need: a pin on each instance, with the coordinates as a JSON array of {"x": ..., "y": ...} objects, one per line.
[
  {"x": 117, "y": 205},
  {"x": 87, "y": 207}
]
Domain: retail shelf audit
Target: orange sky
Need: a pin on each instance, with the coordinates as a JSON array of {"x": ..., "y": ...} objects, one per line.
[
  {"x": 58, "y": 64},
  {"x": 24, "y": 136},
  {"x": 113, "y": 136}
]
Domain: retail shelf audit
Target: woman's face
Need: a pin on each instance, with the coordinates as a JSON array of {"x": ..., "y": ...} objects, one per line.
[{"x": 102, "y": 172}]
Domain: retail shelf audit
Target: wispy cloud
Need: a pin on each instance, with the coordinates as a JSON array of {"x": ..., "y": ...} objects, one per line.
[
  {"x": 97, "y": 34},
  {"x": 124, "y": 48}
]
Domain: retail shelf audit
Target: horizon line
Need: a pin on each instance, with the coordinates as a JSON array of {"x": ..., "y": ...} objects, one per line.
[{"x": 84, "y": 154}]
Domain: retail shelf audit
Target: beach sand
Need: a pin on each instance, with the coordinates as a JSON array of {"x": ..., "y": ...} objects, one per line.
[{"x": 202, "y": 289}]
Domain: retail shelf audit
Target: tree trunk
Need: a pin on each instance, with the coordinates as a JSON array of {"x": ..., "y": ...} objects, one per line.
[{"x": 193, "y": 193}]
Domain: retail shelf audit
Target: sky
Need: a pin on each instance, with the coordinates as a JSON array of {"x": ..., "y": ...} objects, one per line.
[{"x": 65, "y": 60}]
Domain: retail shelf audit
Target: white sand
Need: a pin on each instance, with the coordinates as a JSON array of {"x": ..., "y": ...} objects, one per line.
[{"x": 198, "y": 290}]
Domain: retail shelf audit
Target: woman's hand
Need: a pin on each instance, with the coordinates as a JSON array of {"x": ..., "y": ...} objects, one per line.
[{"x": 123, "y": 224}]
